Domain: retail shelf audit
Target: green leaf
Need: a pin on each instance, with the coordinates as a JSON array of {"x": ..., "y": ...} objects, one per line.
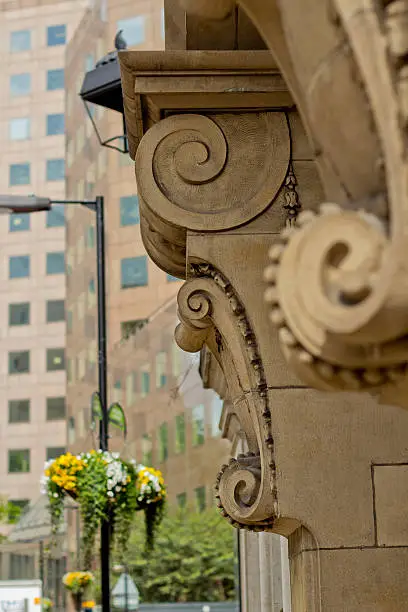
[
  {"x": 96, "y": 407},
  {"x": 116, "y": 417}
]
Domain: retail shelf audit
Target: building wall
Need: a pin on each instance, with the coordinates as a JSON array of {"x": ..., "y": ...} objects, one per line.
[{"x": 35, "y": 148}]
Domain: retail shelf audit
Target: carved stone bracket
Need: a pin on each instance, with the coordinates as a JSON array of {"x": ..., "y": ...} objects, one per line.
[{"x": 210, "y": 310}]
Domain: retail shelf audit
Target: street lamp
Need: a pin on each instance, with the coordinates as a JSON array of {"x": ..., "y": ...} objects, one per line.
[{"x": 30, "y": 204}]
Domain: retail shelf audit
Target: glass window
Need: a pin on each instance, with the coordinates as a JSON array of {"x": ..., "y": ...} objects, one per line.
[
  {"x": 71, "y": 430},
  {"x": 117, "y": 391},
  {"x": 55, "y": 169},
  {"x": 89, "y": 62},
  {"x": 171, "y": 278},
  {"x": 55, "y": 359},
  {"x": 55, "y": 124},
  {"x": 70, "y": 321},
  {"x": 55, "y": 408},
  {"x": 17, "y": 508},
  {"x": 129, "y": 210},
  {"x": 20, "y": 40},
  {"x": 19, "y": 314},
  {"x": 145, "y": 383},
  {"x": 163, "y": 442},
  {"x": 19, "y": 222},
  {"x": 19, "y": 174},
  {"x": 19, "y": 362},
  {"x": 56, "y": 216},
  {"x": 55, "y": 263},
  {"x": 90, "y": 237},
  {"x": 19, "y": 411},
  {"x": 133, "y": 272},
  {"x": 180, "y": 441},
  {"x": 55, "y": 451},
  {"x": 56, "y": 35},
  {"x": 130, "y": 388},
  {"x": 19, "y": 266},
  {"x": 55, "y": 79},
  {"x": 55, "y": 311},
  {"x": 216, "y": 411},
  {"x": 133, "y": 29},
  {"x": 162, "y": 24},
  {"x": 199, "y": 494},
  {"x": 147, "y": 456},
  {"x": 181, "y": 500},
  {"x": 19, "y": 128},
  {"x": 198, "y": 424},
  {"x": 19, "y": 460},
  {"x": 20, "y": 84},
  {"x": 161, "y": 365}
]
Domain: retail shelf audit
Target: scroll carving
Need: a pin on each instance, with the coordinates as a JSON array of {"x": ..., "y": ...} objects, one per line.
[
  {"x": 212, "y": 173},
  {"x": 210, "y": 310}
]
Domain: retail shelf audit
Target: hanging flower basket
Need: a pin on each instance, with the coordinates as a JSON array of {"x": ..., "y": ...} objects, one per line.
[
  {"x": 78, "y": 583},
  {"x": 106, "y": 488}
]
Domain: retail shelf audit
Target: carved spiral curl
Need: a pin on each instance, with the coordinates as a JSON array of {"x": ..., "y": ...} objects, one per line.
[
  {"x": 238, "y": 487},
  {"x": 338, "y": 302}
]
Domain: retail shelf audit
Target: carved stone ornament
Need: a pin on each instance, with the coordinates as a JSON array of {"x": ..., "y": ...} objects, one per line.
[
  {"x": 209, "y": 308},
  {"x": 339, "y": 281}
]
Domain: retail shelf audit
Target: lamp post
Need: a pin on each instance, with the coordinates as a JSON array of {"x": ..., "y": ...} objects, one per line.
[{"x": 29, "y": 204}]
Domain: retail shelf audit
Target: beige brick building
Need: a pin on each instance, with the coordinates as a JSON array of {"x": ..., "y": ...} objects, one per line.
[{"x": 32, "y": 280}]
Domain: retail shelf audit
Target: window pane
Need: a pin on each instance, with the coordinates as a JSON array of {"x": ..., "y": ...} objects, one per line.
[
  {"x": 56, "y": 216},
  {"x": 129, "y": 210},
  {"x": 19, "y": 411},
  {"x": 89, "y": 62},
  {"x": 90, "y": 237},
  {"x": 20, "y": 84},
  {"x": 55, "y": 124},
  {"x": 19, "y": 460},
  {"x": 19, "y": 223},
  {"x": 55, "y": 451},
  {"x": 171, "y": 278},
  {"x": 145, "y": 384},
  {"x": 163, "y": 442},
  {"x": 20, "y": 40},
  {"x": 55, "y": 79},
  {"x": 133, "y": 29},
  {"x": 55, "y": 169},
  {"x": 55, "y": 263},
  {"x": 56, "y": 35},
  {"x": 216, "y": 407},
  {"x": 134, "y": 272},
  {"x": 19, "y": 174},
  {"x": 147, "y": 457},
  {"x": 18, "y": 508},
  {"x": 182, "y": 500},
  {"x": 161, "y": 366},
  {"x": 55, "y": 311},
  {"x": 180, "y": 441},
  {"x": 55, "y": 359},
  {"x": 199, "y": 494},
  {"x": 71, "y": 430},
  {"x": 19, "y": 362},
  {"x": 19, "y": 266},
  {"x": 198, "y": 425},
  {"x": 19, "y": 129},
  {"x": 19, "y": 314},
  {"x": 55, "y": 408}
]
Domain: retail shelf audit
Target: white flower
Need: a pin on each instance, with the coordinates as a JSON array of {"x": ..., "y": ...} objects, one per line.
[
  {"x": 55, "y": 494},
  {"x": 110, "y": 493},
  {"x": 115, "y": 455},
  {"x": 118, "y": 489}
]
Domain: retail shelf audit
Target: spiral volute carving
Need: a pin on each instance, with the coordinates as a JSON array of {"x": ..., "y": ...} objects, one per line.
[{"x": 338, "y": 301}]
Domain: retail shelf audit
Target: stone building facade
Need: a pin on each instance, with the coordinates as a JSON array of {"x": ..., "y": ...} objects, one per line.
[{"x": 237, "y": 148}]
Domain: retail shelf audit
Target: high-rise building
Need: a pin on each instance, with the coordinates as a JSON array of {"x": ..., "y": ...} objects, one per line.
[{"x": 34, "y": 35}]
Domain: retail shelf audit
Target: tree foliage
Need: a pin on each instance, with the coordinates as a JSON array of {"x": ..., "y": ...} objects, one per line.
[{"x": 193, "y": 559}]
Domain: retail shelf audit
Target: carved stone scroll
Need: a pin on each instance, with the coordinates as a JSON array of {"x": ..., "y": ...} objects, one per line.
[{"x": 210, "y": 311}]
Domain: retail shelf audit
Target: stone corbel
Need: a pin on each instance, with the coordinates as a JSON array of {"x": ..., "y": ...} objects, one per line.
[
  {"x": 211, "y": 312},
  {"x": 338, "y": 282}
]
